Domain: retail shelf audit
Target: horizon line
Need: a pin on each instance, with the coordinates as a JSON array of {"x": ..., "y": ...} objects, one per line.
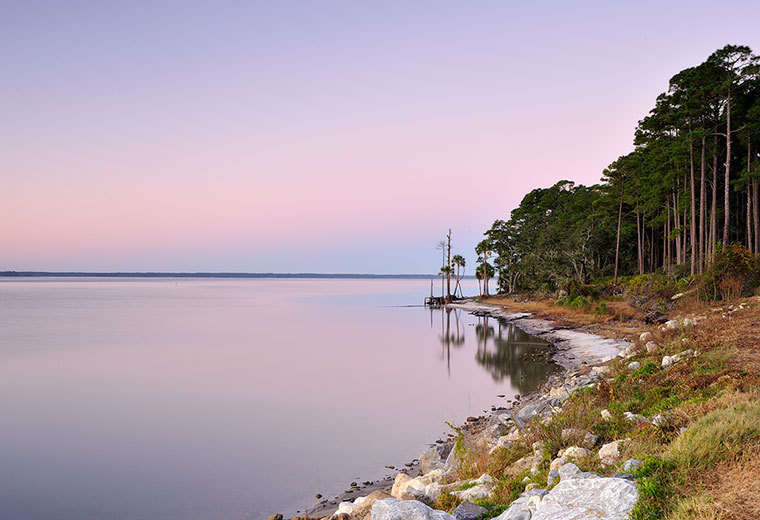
[{"x": 206, "y": 274}]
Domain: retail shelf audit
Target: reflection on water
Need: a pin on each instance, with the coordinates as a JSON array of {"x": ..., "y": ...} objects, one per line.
[
  {"x": 502, "y": 349},
  {"x": 190, "y": 399}
]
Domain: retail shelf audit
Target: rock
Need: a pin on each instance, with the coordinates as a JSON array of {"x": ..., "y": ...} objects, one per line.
[
  {"x": 661, "y": 421},
  {"x": 651, "y": 346},
  {"x": 347, "y": 508},
  {"x": 552, "y": 477},
  {"x": 393, "y": 509},
  {"x": 430, "y": 460},
  {"x": 535, "y": 492},
  {"x": 596, "y": 498},
  {"x": 606, "y": 415},
  {"x": 634, "y": 365},
  {"x": 568, "y": 471},
  {"x": 610, "y": 453},
  {"x": 575, "y": 453},
  {"x": 278, "y": 516},
  {"x": 531, "y": 486},
  {"x": 630, "y": 465},
  {"x": 514, "y": 435},
  {"x": 667, "y": 361},
  {"x": 529, "y": 462},
  {"x": 483, "y": 487},
  {"x": 425, "y": 487},
  {"x": 400, "y": 484},
  {"x": 635, "y": 418},
  {"x": 645, "y": 337},
  {"x": 469, "y": 511},
  {"x": 520, "y": 509}
]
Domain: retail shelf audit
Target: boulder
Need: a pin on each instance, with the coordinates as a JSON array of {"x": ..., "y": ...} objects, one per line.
[
  {"x": 393, "y": 509},
  {"x": 469, "y": 511},
  {"x": 425, "y": 488},
  {"x": 521, "y": 509},
  {"x": 634, "y": 365},
  {"x": 571, "y": 471},
  {"x": 651, "y": 346},
  {"x": 593, "y": 498},
  {"x": 482, "y": 488},
  {"x": 527, "y": 463},
  {"x": 645, "y": 337},
  {"x": 609, "y": 454},
  {"x": 430, "y": 460}
]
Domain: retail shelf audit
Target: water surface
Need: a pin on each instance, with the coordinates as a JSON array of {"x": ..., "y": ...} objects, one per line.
[{"x": 169, "y": 399}]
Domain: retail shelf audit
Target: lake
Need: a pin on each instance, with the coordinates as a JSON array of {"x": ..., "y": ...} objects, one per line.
[{"x": 229, "y": 399}]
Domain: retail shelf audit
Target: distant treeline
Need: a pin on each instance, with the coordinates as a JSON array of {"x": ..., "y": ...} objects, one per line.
[
  {"x": 689, "y": 187},
  {"x": 210, "y": 275}
]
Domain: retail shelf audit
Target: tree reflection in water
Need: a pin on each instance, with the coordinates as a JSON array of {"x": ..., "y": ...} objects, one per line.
[{"x": 502, "y": 349}]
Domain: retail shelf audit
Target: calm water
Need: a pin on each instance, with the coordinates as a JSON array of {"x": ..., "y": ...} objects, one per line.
[{"x": 229, "y": 399}]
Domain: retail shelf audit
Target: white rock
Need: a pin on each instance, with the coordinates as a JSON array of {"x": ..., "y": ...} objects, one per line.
[
  {"x": 651, "y": 346},
  {"x": 598, "y": 498},
  {"x": 610, "y": 453},
  {"x": 633, "y": 365},
  {"x": 483, "y": 487},
  {"x": 520, "y": 509},
  {"x": 575, "y": 453},
  {"x": 347, "y": 508},
  {"x": 635, "y": 418},
  {"x": 606, "y": 415},
  {"x": 630, "y": 465},
  {"x": 430, "y": 460},
  {"x": 645, "y": 337},
  {"x": 667, "y": 361},
  {"x": 393, "y": 509},
  {"x": 426, "y": 487}
]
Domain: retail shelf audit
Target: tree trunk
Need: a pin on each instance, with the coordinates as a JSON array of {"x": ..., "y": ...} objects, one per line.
[
  {"x": 693, "y": 232},
  {"x": 448, "y": 265},
  {"x": 714, "y": 209},
  {"x": 639, "y": 251},
  {"x": 617, "y": 241},
  {"x": 727, "y": 176},
  {"x": 756, "y": 215},
  {"x": 667, "y": 230},
  {"x": 749, "y": 216},
  {"x": 702, "y": 208},
  {"x": 677, "y": 224}
]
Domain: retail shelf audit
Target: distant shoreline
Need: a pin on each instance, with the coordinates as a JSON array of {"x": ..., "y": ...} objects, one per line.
[{"x": 71, "y": 274}]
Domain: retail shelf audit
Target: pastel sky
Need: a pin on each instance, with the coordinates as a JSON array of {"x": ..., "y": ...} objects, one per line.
[{"x": 315, "y": 136}]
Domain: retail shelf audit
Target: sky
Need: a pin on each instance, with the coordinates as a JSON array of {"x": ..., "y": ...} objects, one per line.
[{"x": 315, "y": 136}]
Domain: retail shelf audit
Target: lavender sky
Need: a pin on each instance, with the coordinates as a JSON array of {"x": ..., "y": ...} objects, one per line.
[{"x": 315, "y": 136}]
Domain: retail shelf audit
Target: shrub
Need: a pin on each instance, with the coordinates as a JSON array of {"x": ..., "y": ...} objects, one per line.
[{"x": 735, "y": 272}]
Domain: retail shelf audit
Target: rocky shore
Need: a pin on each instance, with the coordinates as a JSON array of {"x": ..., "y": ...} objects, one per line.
[{"x": 567, "y": 492}]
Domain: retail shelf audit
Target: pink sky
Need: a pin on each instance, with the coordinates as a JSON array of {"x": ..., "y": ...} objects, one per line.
[{"x": 314, "y": 136}]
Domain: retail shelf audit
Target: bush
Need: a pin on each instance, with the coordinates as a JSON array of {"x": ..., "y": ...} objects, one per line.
[{"x": 735, "y": 272}]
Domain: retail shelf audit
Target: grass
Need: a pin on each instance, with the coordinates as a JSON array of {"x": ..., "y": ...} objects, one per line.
[{"x": 708, "y": 471}]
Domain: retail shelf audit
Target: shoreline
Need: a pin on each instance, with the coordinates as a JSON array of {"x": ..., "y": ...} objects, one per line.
[{"x": 580, "y": 353}]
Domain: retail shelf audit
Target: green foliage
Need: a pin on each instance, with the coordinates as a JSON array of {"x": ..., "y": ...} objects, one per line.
[
  {"x": 569, "y": 232},
  {"x": 447, "y": 502},
  {"x": 654, "y": 479},
  {"x": 723, "y": 435},
  {"x": 735, "y": 271}
]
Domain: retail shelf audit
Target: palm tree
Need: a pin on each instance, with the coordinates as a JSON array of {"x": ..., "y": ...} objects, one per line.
[
  {"x": 484, "y": 249},
  {"x": 459, "y": 262},
  {"x": 446, "y": 273}
]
